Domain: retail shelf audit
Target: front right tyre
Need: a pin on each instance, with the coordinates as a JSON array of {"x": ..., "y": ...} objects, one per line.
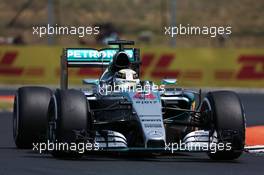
[{"x": 226, "y": 118}]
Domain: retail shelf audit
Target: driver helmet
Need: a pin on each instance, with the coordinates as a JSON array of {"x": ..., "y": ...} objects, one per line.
[{"x": 126, "y": 79}]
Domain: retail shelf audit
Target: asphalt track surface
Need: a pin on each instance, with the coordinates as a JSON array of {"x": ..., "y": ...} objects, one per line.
[{"x": 20, "y": 162}]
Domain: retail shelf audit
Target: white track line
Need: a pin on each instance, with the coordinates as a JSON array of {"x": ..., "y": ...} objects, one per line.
[{"x": 255, "y": 149}]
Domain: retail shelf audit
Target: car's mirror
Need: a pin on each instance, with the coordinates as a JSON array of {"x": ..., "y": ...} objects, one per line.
[
  {"x": 169, "y": 81},
  {"x": 91, "y": 81}
]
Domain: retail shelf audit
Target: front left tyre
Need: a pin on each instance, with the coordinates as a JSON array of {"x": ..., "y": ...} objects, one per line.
[
  {"x": 69, "y": 112},
  {"x": 30, "y": 116}
]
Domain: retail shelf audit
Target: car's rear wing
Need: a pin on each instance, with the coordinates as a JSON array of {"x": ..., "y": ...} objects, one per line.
[{"x": 87, "y": 57}]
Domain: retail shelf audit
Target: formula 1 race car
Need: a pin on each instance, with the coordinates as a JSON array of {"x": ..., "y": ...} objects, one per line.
[{"x": 121, "y": 113}]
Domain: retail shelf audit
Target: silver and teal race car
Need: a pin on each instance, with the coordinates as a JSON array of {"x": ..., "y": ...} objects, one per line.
[{"x": 119, "y": 112}]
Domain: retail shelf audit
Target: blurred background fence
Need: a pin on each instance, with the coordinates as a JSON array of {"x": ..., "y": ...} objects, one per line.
[{"x": 140, "y": 20}]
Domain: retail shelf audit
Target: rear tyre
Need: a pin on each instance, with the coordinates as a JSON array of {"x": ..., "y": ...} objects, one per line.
[
  {"x": 30, "y": 115},
  {"x": 227, "y": 121},
  {"x": 68, "y": 112}
]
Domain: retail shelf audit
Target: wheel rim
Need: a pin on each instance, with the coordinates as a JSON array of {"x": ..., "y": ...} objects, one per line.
[
  {"x": 15, "y": 118},
  {"x": 52, "y": 119},
  {"x": 206, "y": 106}
]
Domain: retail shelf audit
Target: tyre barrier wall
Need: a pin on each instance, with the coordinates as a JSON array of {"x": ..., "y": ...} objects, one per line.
[{"x": 193, "y": 67}]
